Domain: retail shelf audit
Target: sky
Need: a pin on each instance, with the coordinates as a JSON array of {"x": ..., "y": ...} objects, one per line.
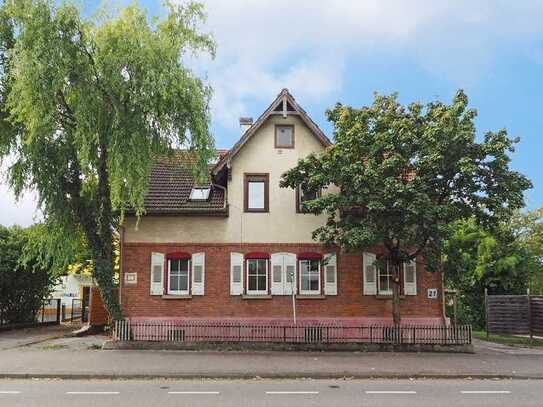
[{"x": 331, "y": 51}]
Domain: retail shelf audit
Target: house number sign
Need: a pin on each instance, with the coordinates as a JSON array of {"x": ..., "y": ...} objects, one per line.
[
  {"x": 432, "y": 293},
  {"x": 131, "y": 278}
]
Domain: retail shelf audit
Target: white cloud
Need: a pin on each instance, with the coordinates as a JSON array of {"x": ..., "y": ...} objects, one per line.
[{"x": 265, "y": 45}]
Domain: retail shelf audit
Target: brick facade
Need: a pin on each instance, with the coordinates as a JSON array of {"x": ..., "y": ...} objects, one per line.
[{"x": 217, "y": 303}]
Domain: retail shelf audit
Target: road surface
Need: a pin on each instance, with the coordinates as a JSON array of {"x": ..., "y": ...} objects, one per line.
[{"x": 276, "y": 393}]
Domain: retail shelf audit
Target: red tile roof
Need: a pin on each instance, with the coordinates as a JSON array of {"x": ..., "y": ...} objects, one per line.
[{"x": 170, "y": 183}]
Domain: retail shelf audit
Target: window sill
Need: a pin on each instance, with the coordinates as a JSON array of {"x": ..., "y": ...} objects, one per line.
[
  {"x": 310, "y": 297},
  {"x": 386, "y": 297},
  {"x": 256, "y": 297},
  {"x": 176, "y": 297}
]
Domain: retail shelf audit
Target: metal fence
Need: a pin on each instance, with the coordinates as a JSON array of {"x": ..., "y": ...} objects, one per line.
[
  {"x": 48, "y": 314},
  {"x": 514, "y": 314},
  {"x": 309, "y": 333}
]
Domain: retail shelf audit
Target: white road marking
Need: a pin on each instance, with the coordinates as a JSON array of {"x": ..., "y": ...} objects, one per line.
[
  {"x": 391, "y": 392},
  {"x": 292, "y": 392},
  {"x": 10, "y": 392},
  {"x": 485, "y": 392},
  {"x": 92, "y": 392},
  {"x": 194, "y": 392}
]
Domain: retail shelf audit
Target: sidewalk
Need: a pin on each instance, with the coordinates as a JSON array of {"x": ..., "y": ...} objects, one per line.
[{"x": 67, "y": 363}]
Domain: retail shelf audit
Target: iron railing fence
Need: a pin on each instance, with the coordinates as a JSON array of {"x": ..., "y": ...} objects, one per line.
[
  {"x": 301, "y": 333},
  {"x": 48, "y": 314}
]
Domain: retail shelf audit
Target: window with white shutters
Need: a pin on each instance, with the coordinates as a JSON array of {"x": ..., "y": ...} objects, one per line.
[
  {"x": 198, "y": 273},
  {"x": 157, "y": 274},
  {"x": 410, "y": 278},
  {"x": 236, "y": 274},
  {"x": 369, "y": 274},
  {"x": 283, "y": 273},
  {"x": 330, "y": 274}
]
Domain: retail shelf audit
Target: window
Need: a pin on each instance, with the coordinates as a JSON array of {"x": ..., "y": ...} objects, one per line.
[
  {"x": 284, "y": 136},
  {"x": 257, "y": 276},
  {"x": 303, "y": 195},
  {"x": 310, "y": 276},
  {"x": 199, "y": 193},
  {"x": 178, "y": 276},
  {"x": 256, "y": 192},
  {"x": 385, "y": 280}
]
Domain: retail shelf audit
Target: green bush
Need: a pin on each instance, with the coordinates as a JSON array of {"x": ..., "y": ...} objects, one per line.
[{"x": 23, "y": 281}]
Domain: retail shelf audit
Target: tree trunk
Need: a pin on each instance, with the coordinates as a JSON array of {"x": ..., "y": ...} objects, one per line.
[
  {"x": 396, "y": 318},
  {"x": 103, "y": 273}
]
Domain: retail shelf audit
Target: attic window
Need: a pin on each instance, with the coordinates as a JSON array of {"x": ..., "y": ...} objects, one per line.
[
  {"x": 284, "y": 136},
  {"x": 199, "y": 193}
]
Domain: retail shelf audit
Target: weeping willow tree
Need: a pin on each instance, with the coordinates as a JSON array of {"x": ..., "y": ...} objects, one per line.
[{"x": 86, "y": 103}]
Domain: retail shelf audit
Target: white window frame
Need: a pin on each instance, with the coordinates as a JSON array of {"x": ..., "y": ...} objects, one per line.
[
  {"x": 310, "y": 292},
  {"x": 390, "y": 279},
  {"x": 179, "y": 292},
  {"x": 257, "y": 292}
]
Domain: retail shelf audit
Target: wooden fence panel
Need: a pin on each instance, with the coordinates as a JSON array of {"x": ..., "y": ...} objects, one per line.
[
  {"x": 537, "y": 315},
  {"x": 515, "y": 314}
]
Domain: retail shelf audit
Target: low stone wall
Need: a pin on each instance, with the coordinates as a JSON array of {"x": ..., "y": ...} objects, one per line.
[{"x": 267, "y": 346}]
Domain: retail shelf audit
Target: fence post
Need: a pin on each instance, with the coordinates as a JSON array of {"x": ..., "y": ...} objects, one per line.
[
  {"x": 486, "y": 312},
  {"x": 58, "y": 311},
  {"x": 530, "y": 314}
]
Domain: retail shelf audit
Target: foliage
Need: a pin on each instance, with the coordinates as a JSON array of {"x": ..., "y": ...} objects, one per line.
[
  {"x": 403, "y": 174},
  {"x": 504, "y": 260},
  {"x": 24, "y": 282},
  {"x": 86, "y": 104}
]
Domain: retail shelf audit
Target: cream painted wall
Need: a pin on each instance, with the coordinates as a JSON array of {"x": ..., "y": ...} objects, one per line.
[{"x": 280, "y": 225}]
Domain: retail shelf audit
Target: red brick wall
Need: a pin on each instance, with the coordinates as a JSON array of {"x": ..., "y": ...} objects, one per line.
[
  {"x": 218, "y": 303},
  {"x": 97, "y": 312}
]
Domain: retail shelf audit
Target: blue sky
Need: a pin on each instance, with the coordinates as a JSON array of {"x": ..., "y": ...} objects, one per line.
[{"x": 343, "y": 50}]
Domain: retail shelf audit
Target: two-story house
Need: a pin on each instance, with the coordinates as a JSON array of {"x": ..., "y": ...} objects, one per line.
[{"x": 240, "y": 246}]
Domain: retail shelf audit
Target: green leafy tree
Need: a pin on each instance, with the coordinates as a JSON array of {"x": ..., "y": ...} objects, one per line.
[
  {"x": 24, "y": 280},
  {"x": 497, "y": 259},
  {"x": 85, "y": 106},
  {"x": 403, "y": 174}
]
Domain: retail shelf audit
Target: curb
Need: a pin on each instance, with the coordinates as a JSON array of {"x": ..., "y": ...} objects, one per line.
[{"x": 246, "y": 376}]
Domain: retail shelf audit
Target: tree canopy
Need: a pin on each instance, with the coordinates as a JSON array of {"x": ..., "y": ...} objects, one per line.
[
  {"x": 504, "y": 260},
  {"x": 24, "y": 280},
  {"x": 87, "y": 103},
  {"x": 403, "y": 174}
]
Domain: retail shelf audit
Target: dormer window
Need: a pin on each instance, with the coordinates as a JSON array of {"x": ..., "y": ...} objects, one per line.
[
  {"x": 284, "y": 136},
  {"x": 199, "y": 193}
]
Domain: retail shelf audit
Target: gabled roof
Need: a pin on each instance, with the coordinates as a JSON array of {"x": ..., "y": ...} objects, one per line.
[
  {"x": 170, "y": 183},
  {"x": 289, "y": 107}
]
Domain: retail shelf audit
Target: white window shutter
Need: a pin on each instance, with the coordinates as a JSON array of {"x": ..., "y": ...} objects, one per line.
[
  {"x": 410, "y": 278},
  {"x": 277, "y": 272},
  {"x": 236, "y": 274},
  {"x": 198, "y": 273},
  {"x": 289, "y": 274},
  {"x": 157, "y": 274},
  {"x": 330, "y": 274},
  {"x": 369, "y": 273}
]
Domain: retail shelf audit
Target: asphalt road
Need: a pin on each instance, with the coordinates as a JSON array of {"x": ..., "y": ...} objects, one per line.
[{"x": 329, "y": 393}]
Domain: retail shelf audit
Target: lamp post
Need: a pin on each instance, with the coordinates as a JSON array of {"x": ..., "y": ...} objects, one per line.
[{"x": 293, "y": 290}]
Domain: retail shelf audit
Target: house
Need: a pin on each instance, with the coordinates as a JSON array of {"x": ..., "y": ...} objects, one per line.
[
  {"x": 238, "y": 247},
  {"x": 73, "y": 291}
]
